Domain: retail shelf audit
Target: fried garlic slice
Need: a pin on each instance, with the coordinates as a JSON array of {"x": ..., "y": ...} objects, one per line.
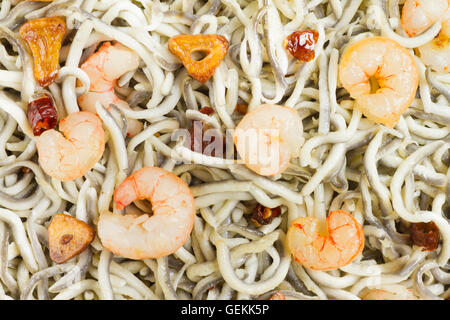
[
  {"x": 44, "y": 37},
  {"x": 68, "y": 237},
  {"x": 214, "y": 47}
]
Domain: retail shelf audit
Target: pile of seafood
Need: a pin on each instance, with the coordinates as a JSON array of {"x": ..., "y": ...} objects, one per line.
[{"x": 224, "y": 149}]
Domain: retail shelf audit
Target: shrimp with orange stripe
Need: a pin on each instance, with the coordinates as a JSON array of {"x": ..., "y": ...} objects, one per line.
[
  {"x": 104, "y": 67},
  {"x": 73, "y": 153},
  {"x": 143, "y": 236},
  {"x": 381, "y": 76},
  {"x": 326, "y": 245},
  {"x": 418, "y": 16}
]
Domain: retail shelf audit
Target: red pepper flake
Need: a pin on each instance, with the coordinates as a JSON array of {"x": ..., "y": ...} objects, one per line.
[
  {"x": 278, "y": 296},
  {"x": 242, "y": 108},
  {"x": 425, "y": 235},
  {"x": 196, "y": 135},
  {"x": 263, "y": 215},
  {"x": 207, "y": 110},
  {"x": 42, "y": 114},
  {"x": 199, "y": 141},
  {"x": 25, "y": 169},
  {"x": 301, "y": 44}
]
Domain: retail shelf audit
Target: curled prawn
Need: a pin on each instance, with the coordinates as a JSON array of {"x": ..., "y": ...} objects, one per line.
[
  {"x": 381, "y": 76},
  {"x": 417, "y": 16},
  {"x": 104, "y": 67},
  {"x": 70, "y": 155},
  {"x": 436, "y": 53},
  {"x": 392, "y": 292},
  {"x": 333, "y": 248},
  {"x": 268, "y": 137},
  {"x": 143, "y": 236}
]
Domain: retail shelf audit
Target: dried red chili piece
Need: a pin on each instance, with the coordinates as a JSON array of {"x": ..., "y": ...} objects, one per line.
[
  {"x": 207, "y": 110},
  {"x": 199, "y": 142},
  {"x": 242, "y": 108},
  {"x": 44, "y": 37},
  {"x": 42, "y": 114},
  {"x": 263, "y": 215},
  {"x": 425, "y": 235},
  {"x": 196, "y": 135},
  {"x": 214, "y": 46},
  {"x": 301, "y": 44}
]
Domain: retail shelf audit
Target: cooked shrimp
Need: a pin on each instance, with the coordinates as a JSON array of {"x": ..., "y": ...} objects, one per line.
[
  {"x": 104, "y": 67},
  {"x": 268, "y": 137},
  {"x": 395, "y": 292},
  {"x": 381, "y": 76},
  {"x": 320, "y": 249},
  {"x": 436, "y": 53},
  {"x": 419, "y": 15},
  {"x": 70, "y": 156},
  {"x": 143, "y": 236}
]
